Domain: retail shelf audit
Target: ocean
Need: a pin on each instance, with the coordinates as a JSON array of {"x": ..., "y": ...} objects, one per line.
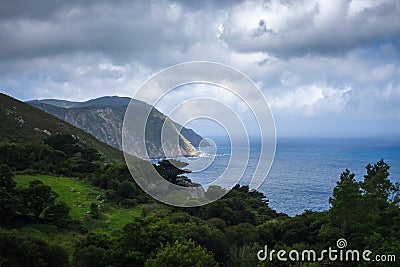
[{"x": 305, "y": 170}]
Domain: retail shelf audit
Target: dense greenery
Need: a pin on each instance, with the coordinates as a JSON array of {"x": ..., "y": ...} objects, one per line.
[
  {"x": 59, "y": 154},
  {"x": 88, "y": 213},
  {"x": 22, "y": 251}
]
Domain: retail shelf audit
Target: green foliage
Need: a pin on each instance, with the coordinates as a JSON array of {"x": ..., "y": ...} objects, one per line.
[
  {"x": 94, "y": 211},
  {"x": 90, "y": 256},
  {"x": 238, "y": 206},
  {"x": 140, "y": 239},
  {"x": 244, "y": 255},
  {"x": 182, "y": 255},
  {"x": 173, "y": 170},
  {"x": 119, "y": 185},
  {"x": 81, "y": 158},
  {"x": 6, "y": 178},
  {"x": 37, "y": 197},
  {"x": 19, "y": 251},
  {"x": 228, "y": 232},
  {"x": 377, "y": 188},
  {"x": 32, "y": 157},
  {"x": 60, "y": 154},
  {"x": 91, "y": 250},
  {"x": 9, "y": 197},
  {"x": 203, "y": 233},
  {"x": 346, "y": 203},
  {"x": 214, "y": 192},
  {"x": 78, "y": 195},
  {"x": 58, "y": 214},
  {"x": 64, "y": 142},
  {"x": 127, "y": 189},
  {"x": 241, "y": 234},
  {"x": 361, "y": 210}
]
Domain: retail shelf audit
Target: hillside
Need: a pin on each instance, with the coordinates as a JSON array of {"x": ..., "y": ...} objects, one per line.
[
  {"x": 103, "y": 118},
  {"x": 23, "y": 123},
  {"x": 79, "y": 194}
]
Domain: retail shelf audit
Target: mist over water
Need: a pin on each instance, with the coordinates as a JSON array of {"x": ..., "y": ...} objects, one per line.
[{"x": 305, "y": 170}]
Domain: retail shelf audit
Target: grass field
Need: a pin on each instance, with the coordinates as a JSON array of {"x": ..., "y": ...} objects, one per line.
[{"x": 79, "y": 194}]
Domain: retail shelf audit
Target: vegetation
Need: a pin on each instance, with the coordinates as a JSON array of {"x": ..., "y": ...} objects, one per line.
[
  {"x": 182, "y": 255},
  {"x": 102, "y": 218}
]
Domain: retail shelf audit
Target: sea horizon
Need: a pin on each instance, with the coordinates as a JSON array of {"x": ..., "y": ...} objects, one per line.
[{"x": 305, "y": 169}]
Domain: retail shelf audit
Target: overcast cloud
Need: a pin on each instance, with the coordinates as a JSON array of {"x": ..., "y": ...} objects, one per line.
[{"x": 326, "y": 67}]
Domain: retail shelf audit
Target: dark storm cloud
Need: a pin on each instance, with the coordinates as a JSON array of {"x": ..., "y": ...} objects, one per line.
[
  {"x": 121, "y": 30},
  {"x": 322, "y": 27},
  {"x": 206, "y": 4},
  {"x": 43, "y": 9}
]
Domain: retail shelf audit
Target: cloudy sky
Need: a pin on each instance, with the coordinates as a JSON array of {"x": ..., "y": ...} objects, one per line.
[{"x": 327, "y": 68}]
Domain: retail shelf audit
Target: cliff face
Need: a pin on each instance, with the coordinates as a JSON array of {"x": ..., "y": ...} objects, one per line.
[{"x": 103, "y": 118}]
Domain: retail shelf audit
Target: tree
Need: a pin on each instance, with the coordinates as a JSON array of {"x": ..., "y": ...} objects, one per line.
[
  {"x": 9, "y": 197},
  {"x": 241, "y": 234},
  {"x": 63, "y": 142},
  {"x": 182, "y": 255},
  {"x": 37, "y": 197},
  {"x": 346, "y": 202},
  {"x": 208, "y": 237},
  {"x": 140, "y": 240},
  {"x": 81, "y": 157},
  {"x": 172, "y": 171},
  {"x": 214, "y": 192},
  {"x": 90, "y": 256},
  {"x": 377, "y": 188},
  {"x": 362, "y": 209},
  {"x": 127, "y": 189},
  {"x": 58, "y": 214},
  {"x": 6, "y": 178}
]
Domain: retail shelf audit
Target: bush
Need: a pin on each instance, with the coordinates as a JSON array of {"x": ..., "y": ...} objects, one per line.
[
  {"x": 182, "y": 255},
  {"x": 22, "y": 251}
]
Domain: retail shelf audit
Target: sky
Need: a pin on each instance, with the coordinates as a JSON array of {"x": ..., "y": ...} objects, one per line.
[{"x": 326, "y": 68}]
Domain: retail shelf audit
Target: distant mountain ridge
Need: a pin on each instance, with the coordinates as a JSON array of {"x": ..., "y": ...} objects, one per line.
[
  {"x": 103, "y": 118},
  {"x": 112, "y": 101}
]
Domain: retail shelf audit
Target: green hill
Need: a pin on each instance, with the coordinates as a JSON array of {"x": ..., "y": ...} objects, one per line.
[
  {"x": 23, "y": 123},
  {"x": 79, "y": 194}
]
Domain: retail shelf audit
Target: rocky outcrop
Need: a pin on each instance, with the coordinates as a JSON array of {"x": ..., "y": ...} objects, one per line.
[{"x": 103, "y": 118}]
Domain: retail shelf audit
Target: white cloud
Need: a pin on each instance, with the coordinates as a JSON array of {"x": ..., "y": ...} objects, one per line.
[{"x": 311, "y": 100}]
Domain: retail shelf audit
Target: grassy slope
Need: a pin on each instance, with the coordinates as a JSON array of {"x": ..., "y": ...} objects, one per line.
[
  {"x": 20, "y": 122},
  {"x": 112, "y": 218},
  {"x": 79, "y": 201}
]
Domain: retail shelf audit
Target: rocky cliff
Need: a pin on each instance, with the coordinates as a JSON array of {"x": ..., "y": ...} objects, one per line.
[{"x": 103, "y": 118}]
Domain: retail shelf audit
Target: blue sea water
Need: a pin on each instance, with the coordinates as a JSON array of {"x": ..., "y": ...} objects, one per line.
[{"x": 305, "y": 170}]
